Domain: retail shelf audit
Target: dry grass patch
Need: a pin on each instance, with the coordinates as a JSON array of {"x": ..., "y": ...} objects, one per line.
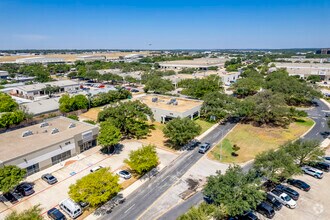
[
  {"x": 254, "y": 140},
  {"x": 91, "y": 114}
]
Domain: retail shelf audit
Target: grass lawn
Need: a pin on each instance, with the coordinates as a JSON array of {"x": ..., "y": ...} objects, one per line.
[
  {"x": 253, "y": 140},
  {"x": 204, "y": 124}
]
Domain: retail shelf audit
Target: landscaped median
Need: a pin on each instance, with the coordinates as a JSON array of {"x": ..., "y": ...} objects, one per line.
[{"x": 250, "y": 140}]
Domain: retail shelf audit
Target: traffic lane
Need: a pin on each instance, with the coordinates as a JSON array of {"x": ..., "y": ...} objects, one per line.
[
  {"x": 150, "y": 191},
  {"x": 183, "y": 207}
]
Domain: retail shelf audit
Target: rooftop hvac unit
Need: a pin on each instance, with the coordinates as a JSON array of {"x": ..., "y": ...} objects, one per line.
[
  {"x": 54, "y": 131},
  {"x": 44, "y": 124},
  {"x": 173, "y": 100},
  {"x": 155, "y": 99},
  {"x": 72, "y": 125},
  {"x": 175, "y": 103},
  {"x": 27, "y": 133}
]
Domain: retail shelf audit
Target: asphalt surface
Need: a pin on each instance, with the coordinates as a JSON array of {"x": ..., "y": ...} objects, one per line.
[
  {"x": 140, "y": 200},
  {"x": 317, "y": 132}
]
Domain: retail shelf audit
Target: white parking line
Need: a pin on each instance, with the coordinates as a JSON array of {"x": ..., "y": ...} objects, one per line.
[{"x": 129, "y": 208}]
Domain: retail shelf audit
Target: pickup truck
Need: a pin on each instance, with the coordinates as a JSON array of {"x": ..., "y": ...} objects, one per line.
[{"x": 283, "y": 198}]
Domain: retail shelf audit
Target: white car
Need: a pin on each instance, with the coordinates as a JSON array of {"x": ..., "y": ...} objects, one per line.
[
  {"x": 94, "y": 169},
  {"x": 124, "y": 174},
  {"x": 284, "y": 198},
  {"x": 312, "y": 172}
]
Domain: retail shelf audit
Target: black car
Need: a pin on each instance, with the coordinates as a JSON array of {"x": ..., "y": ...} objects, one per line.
[
  {"x": 25, "y": 189},
  {"x": 299, "y": 184},
  {"x": 292, "y": 193},
  {"x": 10, "y": 197},
  {"x": 265, "y": 209},
  {"x": 208, "y": 200},
  {"x": 271, "y": 200},
  {"x": 248, "y": 216},
  {"x": 55, "y": 214},
  {"x": 321, "y": 166}
]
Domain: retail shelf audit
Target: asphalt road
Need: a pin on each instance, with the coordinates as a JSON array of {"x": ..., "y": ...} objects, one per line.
[
  {"x": 140, "y": 200},
  {"x": 317, "y": 114}
]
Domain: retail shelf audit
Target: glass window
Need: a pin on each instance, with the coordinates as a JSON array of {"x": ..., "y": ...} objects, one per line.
[
  {"x": 32, "y": 169},
  {"x": 60, "y": 157}
]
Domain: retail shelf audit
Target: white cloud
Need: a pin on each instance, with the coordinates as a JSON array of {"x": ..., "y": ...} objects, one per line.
[{"x": 30, "y": 37}]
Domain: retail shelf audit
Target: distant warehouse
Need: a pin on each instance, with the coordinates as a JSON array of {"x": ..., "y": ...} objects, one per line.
[
  {"x": 89, "y": 58},
  {"x": 166, "y": 108},
  {"x": 201, "y": 64},
  {"x": 43, "y": 60},
  {"x": 40, "y": 146}
]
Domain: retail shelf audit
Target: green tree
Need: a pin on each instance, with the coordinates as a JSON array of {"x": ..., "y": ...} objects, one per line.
[
  {"x": 80, "y": 102},
  {"x": 143, "y": 159},
  {"x": 276, "y": 165},
  {"x": 266, "y": 108},
  {"x": 33, "y": 213},
  {"x": 10, "y": 118},
  {"x": 130, "y": 117},
  {"x": 109, "y": 135},
  {"x": 235, "y": 190},
  {"x": 217, "y": 106},
  {"x": 95, "y": 188},
  {"x": 65, "y": 103},
  {"x": 181, "y": 131},
  {"x": 304, "y": 151},
  {"x": 198, "y": 88},
  {"x": 7, "y": 103},
  {"x": 73, "y": 117},
  {"x": 158, "y": 85},
  {"x": 314, "y": 78},
  {"x": 247, "y": 86},
  {"x": 204, "y": 211},
  {"x": 10, "y": 176}
]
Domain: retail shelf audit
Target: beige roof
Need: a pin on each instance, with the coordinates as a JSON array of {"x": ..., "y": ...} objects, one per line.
[
  {"x": 196, "y": 62},
  {"x": 39, "y": 86},
  {"x": 13, "y": 145},
  {"x": 183, "y": 104}
]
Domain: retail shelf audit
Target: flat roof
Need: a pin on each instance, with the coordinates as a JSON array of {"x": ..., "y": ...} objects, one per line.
[
  {"x": 13, "y": 145},
  {"x": 39, "y": 86},
  {"x": 43, "y": 106},
  {"x": 183, "y": 103},
  {"x": 204, "y": 62}
]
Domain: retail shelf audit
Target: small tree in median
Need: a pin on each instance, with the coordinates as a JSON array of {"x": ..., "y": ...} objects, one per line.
[
  {"x": 10, "y": 176},
  {"x": 143, "y": 159},
  {"x": 109, "y": 135},
  {"x": 181, "y": 131},
  {"x": 33, "y": 213},
  {"x": 95, "y": 188}
]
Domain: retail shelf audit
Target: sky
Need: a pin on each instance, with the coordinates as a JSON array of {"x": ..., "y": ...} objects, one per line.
[{"x": 167, "y": 24}]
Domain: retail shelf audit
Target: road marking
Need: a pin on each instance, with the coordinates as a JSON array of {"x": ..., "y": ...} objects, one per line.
[{"x": 130, "y": 208}]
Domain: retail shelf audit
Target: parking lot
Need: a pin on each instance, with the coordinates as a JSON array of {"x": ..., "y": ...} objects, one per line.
[
  {"x": 67, "y": 173},
  {"x": 310, "y": 205}
]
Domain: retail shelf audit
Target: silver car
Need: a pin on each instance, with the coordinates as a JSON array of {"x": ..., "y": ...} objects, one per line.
[
  {"x": 124, "y": 174},
  {"x": 312, "y": 172},
  {"x": 49, "y": 178}
]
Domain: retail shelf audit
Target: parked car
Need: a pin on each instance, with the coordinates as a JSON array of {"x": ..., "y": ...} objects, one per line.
[
  {"x": 284, "y": 198},
  {"x": 312, "y": 172},
  {"x": 291, "y": 192},
  {"x": 299, "y": 184},
  {"x": 83, "y": 205},
  {"x": 265, "y": 209},
  {"x": 249, "y": 215},
  {"x": 49, "y": 178},
  {"x": 55, "y": 214},
  {"x": 124, "y": 174},
  {"x": 135, "y": 90},
  {"x": 94, "y": 169},
  {"x": 10, "y": 197},
  {"x": 204, "y": 147},
  {"x": 326, "y": 159},
  {"x": 271, "y": 200},
  {"x": 192, "y": 144},
  {"x": 321, "y": 166},
  {"x": 25, "y": 189}
]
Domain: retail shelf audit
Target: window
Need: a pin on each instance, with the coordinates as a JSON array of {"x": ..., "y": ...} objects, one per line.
[
  {"x": 59, "y": 158},
  {"x": 32, "y": 169}
]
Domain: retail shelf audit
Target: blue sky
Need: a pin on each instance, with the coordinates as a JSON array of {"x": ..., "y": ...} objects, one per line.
[{"x": 170, "y": 24}]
